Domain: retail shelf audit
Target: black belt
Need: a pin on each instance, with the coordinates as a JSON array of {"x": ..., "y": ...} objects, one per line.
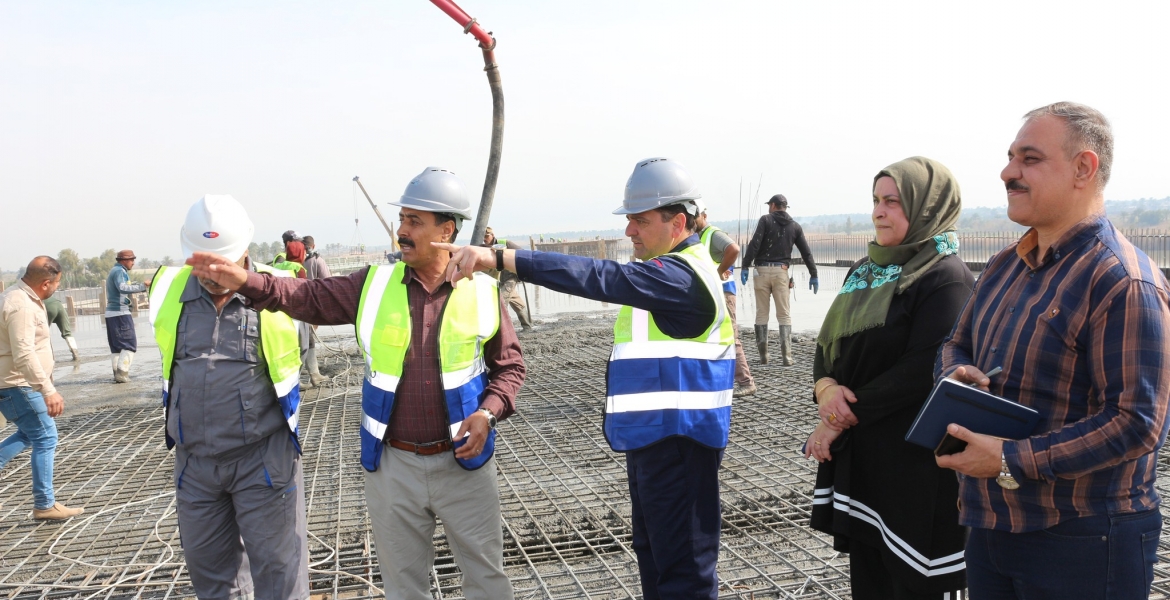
[{"x": 771, "y": 264}]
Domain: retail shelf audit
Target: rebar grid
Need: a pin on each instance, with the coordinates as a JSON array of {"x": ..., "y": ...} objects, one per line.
[{"x": 563, "y": 493}]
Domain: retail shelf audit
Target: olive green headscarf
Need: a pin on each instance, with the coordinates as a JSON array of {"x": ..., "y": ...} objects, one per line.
[{"x": 930, "y": 199}]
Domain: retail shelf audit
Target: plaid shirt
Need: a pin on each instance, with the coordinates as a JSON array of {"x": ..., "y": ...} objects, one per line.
[{"x": 1081, "y": 334}]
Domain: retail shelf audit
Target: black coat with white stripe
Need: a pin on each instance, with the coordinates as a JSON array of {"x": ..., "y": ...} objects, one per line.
[{"x": 880, "y": 490}]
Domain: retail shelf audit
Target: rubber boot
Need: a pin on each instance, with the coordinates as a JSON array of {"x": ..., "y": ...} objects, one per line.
[
  {"x": 114, "y": 366},
  {"x": 69, "y": 341},
  {"x": 762, "y": 343},
  {"x": 315, "y": 376},
  {"x": 786, "y": 345},
  {"x": 122, "y": 372}
]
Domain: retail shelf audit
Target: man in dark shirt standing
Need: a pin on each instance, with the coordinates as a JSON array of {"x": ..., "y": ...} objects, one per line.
[
  {"x": 1079, "y": 320},
  {"x": 429, "y": 410},
  {"x": 771, "y": 251}
]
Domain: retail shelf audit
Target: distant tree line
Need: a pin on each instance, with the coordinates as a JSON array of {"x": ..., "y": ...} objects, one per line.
[{"x": 264, "y": 252}]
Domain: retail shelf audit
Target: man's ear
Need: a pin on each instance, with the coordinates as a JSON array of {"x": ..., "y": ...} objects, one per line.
[{"x": 1085, "y": 167}]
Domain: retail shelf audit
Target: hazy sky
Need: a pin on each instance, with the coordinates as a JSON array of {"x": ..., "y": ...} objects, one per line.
[{"x": 116, "y": 116}]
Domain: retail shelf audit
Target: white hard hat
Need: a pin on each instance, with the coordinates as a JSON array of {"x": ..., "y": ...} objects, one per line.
[
  {"x": 658, "y": 182},
  {"x": 700, "y": 206},
  {"x": 437, "y": 190},
  {"x": 219, "y": 224}
]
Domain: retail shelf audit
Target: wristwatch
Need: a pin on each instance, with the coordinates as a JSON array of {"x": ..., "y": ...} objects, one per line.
[
  {"x": 1005, "y": 479},
  {"x": 499, "y": 259},
  {"x": 491, "y": 418}
]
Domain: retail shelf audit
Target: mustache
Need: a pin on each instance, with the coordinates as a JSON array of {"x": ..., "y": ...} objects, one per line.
[
  {"x": 1014, "y": 185},
  {"x": 405, "y": 242},
  {"x": 212, "y": 287}
]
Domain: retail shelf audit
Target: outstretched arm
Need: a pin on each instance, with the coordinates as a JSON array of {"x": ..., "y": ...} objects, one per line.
[{"x": 329, "y": 301}]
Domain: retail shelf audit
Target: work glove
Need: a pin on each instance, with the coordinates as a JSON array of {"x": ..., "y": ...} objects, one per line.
[
  {"x": 814, "y": 284},
  {"x": 743, "y": 276}
]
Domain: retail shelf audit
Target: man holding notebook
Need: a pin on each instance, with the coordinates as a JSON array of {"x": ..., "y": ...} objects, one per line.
[{"x": 1079, "y": 320}]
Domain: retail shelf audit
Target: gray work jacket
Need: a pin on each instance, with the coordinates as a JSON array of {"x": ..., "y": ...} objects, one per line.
[{"x": 221, "y": 398}]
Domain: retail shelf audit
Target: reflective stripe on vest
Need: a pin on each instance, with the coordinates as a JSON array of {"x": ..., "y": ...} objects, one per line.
[
  {"x": 470, "y": 317},
  {"x": 279, "y": 344},
  {"x": 658, "y": 386},
  {"x": 705, "y": 239}
]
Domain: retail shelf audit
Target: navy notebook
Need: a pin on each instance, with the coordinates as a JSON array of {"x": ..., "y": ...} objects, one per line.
[{"x": 975, "y": 409}]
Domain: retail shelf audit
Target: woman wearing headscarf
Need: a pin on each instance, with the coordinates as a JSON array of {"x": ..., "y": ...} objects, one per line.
[
  {"x": 294, "y": 259},
  {"x": 884, "y": 500}
]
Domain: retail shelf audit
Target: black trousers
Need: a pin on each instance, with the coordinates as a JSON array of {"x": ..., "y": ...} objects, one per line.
[{"x": 674, "y": 487}]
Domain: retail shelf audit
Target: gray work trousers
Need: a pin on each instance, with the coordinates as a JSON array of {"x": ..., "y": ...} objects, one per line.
[
  {"x": 510, "y": 291},
  {"x": 405, "y": 495},
  {"x": 242, "y": 523},
  {"x": 772, "y": 284}
]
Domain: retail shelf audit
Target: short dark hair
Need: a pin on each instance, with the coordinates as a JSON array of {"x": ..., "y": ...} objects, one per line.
[
  {"x": 1085, "y": 129},
  {"x": 669, "y": 211},
  {"x": 42, "y": 268},
  {"x": 309, "y": 241},
  {"x": 441, "y": 218}
]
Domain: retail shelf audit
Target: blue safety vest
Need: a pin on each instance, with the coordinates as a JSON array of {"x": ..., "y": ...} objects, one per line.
[{"x": 658, "y": 386}]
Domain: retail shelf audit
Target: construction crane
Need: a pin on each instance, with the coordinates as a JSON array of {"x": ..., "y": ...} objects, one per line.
[{"x": 389, "y": 227}]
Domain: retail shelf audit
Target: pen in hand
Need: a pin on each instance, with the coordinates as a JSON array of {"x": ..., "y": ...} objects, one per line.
[{"x": 989, "y": 375}]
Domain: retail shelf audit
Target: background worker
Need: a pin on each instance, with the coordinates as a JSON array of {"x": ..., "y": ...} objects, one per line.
[
  {"x": 315, "y": 268},
  {"x": 119, "y": 322},
  {"x": 670, "y": 375},
  {"x": 230, "y": 400},
  {"x": 724, "y": 251},
  {"x": 285, "y": 238},
  {"x": 27, "y": 395},
  {"x": 1079, "y": 319},
  {"x": 429, "y": 409},
  {"x": 58, "y": 315},
  {"x": 509, "y": 284},
  {"x": 771, "y": 251},
  {"x": 292, "y": 259}
]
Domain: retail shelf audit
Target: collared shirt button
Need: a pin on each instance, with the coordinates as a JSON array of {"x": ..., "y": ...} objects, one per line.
[
  {"x": 1011, "y": 309},
  {"x": 994, "y": 349},
  {"x": 428, "y": 324},
  {"x": 428, "y": 383}
]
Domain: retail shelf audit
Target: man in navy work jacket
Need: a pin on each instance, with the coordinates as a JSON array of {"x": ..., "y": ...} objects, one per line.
[{"x": 670, "y": 375}]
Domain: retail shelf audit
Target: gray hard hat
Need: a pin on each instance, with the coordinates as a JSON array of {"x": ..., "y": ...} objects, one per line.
[
  {"x": 437, "y": 190},
  {"x": 658, "y": 182}
]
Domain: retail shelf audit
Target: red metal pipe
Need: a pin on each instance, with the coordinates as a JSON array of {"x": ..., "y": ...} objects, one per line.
[{"x": 469, "y": 25}]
